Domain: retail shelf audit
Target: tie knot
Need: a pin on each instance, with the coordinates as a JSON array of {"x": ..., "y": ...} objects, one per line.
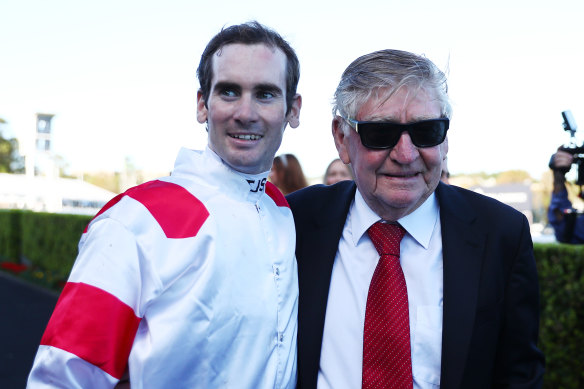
[{"x": 386, "y": 237}]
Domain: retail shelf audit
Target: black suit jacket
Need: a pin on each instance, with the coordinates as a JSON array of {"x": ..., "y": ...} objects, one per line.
[{"x": 491, "y": 293}]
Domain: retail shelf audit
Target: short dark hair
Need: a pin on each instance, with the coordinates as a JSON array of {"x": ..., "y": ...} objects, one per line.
[{"x": 249, "y": 33}]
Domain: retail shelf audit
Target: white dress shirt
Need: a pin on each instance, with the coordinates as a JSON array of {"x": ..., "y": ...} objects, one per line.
[{"x": 421, "y": 260}]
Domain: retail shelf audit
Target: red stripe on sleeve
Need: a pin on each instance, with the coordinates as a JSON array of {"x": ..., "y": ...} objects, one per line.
[
  {"x": 94, "y": 325},
  {"x": 276, "y": 195},
  {"x": 177, "y": 211}
]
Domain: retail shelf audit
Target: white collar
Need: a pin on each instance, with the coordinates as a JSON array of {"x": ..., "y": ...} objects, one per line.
[
  {"x": 419, "y": 224},
  {"x": 216, "y": 172}
]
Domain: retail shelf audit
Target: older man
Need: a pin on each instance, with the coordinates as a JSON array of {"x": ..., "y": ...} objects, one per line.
[
  {"x": 405, "y": 281},
  {"x": 190, "y": 281}
]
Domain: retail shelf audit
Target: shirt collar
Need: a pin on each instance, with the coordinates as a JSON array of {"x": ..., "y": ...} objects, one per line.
[
  {"x": 419, "y": 224},
  {"x": 207, "y": 163}
]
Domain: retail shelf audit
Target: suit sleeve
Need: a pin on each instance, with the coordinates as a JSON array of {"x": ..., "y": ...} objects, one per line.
[{"x": 519, "y": 363}]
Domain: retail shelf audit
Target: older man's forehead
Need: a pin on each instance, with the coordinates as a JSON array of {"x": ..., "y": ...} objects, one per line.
[{"x": 419, "y": 104}]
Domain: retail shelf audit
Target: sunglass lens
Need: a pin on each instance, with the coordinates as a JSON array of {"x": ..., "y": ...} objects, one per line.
[
  {"x": 383, "y": 135},
  {"x": 428, "y": 133},
  {"x": 379, "y": 135}
]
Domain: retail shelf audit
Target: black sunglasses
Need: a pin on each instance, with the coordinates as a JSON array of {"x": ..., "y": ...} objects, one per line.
[{"x": 385, "y": 135}]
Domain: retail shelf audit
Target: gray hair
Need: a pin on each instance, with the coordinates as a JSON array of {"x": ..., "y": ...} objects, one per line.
[{"x": 386, "y": 71}]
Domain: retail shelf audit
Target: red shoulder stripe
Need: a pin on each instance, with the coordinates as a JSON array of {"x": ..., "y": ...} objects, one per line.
[
  {"x": 94, "y": 325},
  {"x": 177, "y": 211},
  {"x": 276, "y": 195}
]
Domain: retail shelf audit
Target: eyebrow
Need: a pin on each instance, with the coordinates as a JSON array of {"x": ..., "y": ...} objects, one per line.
[
  {"x": 269, "y": 87},
  {"x": 220, "y": 85}
]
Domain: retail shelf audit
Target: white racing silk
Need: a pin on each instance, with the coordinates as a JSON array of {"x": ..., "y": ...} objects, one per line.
[{"x": 189, "y": 281}]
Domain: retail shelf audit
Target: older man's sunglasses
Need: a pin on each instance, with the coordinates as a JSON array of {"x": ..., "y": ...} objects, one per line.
[{"x": 385, "y": 135}]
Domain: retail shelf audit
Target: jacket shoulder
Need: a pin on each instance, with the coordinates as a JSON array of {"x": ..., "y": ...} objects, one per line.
[
  {"x": 467, "y": 204},
  {"x": 316, "y": 198},
  {"x": 178, "y": 212}
]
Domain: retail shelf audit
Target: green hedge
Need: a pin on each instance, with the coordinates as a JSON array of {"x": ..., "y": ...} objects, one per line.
[
  {"x": 561, "y": 278},
  {"x": 49, "y": 242},
  {"x": 10, "y": 234}
]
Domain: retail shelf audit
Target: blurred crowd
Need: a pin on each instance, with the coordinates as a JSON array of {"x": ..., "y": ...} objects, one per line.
[{"x": 288, "y": 176}]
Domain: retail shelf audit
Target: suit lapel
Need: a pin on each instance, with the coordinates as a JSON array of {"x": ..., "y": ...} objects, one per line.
[{"x": 463, "y": 245}]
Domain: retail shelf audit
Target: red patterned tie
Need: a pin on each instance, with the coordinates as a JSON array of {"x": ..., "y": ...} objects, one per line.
[{"x": 387, "y": 361}]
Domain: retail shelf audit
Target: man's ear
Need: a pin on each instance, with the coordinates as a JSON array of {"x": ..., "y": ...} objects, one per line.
[
  {"x": 202, "y": 111},
  {"x": 293, "y": 116},
  {"x": 341, "y": 139},
  {"x": 444, "y": 148}
]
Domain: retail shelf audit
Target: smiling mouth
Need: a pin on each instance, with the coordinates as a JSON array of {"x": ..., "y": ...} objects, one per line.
[
  {"x": 410, "y": 175},
  {"x": 246, "y": 137}
]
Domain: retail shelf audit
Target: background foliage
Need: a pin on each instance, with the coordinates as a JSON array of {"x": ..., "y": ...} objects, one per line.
[
  {"x": 561, "y": 277},
  {"x": 10, "y": 234},
  {"x": 10, "y": 160},
  {"x": 50, "y": 240},
  {"x": 45, "y": 242}
]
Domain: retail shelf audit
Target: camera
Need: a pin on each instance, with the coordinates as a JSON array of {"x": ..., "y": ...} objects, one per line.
[
  {"x": 569, "y": 123},
  {"x": 572, "y": 148}
]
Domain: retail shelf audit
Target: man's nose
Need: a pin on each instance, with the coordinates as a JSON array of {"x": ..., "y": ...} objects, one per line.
[
  {"x": 246, "y": 110},
  {"x": 404, "y": 151}
]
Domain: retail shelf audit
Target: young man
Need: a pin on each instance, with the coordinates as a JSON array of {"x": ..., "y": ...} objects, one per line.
[
  {"x": 405, "y": 281},
  {"x": 191, "y": 281}
]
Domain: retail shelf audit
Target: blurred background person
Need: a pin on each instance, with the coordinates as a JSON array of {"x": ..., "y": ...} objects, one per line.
[
  {"x": 287, "y": 174},
  {"x": 568, "y": 224},
  {"x": 337, "y": 171}
]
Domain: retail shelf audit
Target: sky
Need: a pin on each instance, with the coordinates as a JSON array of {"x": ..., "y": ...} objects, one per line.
[{"x": 119, "y": 75}]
